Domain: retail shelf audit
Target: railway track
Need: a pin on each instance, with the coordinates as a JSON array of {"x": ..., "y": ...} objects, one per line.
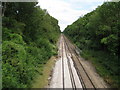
[
  {"x": 68, "y": 59},
  {"x": 69, "y": 72},
  {"x": 83, "y": 76},
  {"x": 70, "y": 68},
  {"x": 68, "y": 64}
]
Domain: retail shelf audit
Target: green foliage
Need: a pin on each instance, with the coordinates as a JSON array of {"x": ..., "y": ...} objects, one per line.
[
  {"x": 29, "y": 40},
  {"x": 17, "y": 27},
  {"x": 11, "y": 49},
  {"x": 99, "y": 31},
  {"x": 112, "y": 42},
  {"x": 14, "y": 56}
]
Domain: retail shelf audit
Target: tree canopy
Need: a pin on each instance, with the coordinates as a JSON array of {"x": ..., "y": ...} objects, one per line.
[
  {"x": 99, "y": 30},
  {"x": 29, "y": 40}
]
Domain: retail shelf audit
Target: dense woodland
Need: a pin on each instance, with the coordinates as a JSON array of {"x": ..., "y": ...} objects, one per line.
[
  {"x": 96, "y": 34},
  {"x": 29, "y": 40}
]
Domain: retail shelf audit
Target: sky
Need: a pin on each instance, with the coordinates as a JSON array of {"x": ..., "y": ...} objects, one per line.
[{"x": 68, "y": 11}]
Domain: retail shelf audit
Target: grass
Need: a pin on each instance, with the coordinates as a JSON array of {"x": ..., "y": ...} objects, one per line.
[
  {"x": 106, "y": 65},
  {"x": 41, "y": 81}
]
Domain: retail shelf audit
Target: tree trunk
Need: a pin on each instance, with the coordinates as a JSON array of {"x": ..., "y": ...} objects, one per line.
[{"x": 3, "y": 8}]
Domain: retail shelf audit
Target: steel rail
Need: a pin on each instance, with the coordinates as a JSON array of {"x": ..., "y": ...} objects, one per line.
[
  {"x": 78, "y": 72},
  {"x": 62, "y": 63},
  {"x": 70, "y": 69},
  {"x": 73, "y": 49}
]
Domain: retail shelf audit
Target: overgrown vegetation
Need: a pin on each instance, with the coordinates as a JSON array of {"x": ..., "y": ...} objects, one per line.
[
  {"x": 29, "y": 40},
  {"x": 96, "y": 34},
  {"x": 45, "y": 76}
]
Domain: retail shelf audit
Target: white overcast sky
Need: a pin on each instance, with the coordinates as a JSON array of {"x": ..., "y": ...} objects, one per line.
[{"x": 68, "y": 11}]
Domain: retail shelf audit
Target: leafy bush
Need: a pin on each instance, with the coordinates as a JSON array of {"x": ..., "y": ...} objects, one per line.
[{"x": 14, "y": 56}]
